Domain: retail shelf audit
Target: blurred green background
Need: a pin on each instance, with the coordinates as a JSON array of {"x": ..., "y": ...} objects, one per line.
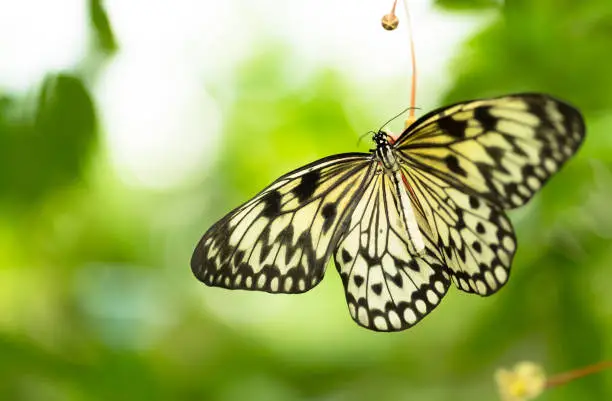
[{"x": 114, "y": 160}]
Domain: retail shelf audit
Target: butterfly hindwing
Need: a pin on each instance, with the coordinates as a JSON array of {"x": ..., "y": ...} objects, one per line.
[
  {"x": 475, "y": 237},
  {"x": 387, "y": 288},
  {"x": 281, "y": 240},
  {"x": 503, "y": 149}
]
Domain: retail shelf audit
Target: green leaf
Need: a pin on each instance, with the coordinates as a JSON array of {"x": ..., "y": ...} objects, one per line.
[{"x": 102, "y": 27}]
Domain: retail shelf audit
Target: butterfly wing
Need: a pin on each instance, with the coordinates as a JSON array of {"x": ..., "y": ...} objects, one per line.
[
  {"x": 281, "y": 240},
  {"x": 467, "y": 162},
  {"x": 475, "y": 237},
  {"x": 386, "y": 287},
  {"x": 502, "y": 149}
]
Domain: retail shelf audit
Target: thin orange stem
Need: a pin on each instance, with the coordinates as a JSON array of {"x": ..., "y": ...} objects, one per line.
[
  {"x": 393, "y": 8},
  {"x": 576, "y": 374},
  {"x": 413, "y": 82}
]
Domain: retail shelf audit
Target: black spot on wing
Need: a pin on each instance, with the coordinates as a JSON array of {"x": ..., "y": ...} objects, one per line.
[
  {"x": 377, "y": 288},
  {"x": 329, "y": 214},
  {"x": 449, "y": 251},
  {"x": 265, "y": 251},
  {"x": 453, "y": 165},
  {"x": 346, "y": 257},
  {"x": 272, "y": 200},
  {"x": 358, "y": 280},
  {"x": 484, "y": 117},
  {"x": 307, "y": 186},
  {"x": 396, "y": 279},
  {"x": 452, "y": 127},
  {"x": 238, "y": 257},
  {"x": 496, "y": 154},
  {"x": 474, "y": 202}
]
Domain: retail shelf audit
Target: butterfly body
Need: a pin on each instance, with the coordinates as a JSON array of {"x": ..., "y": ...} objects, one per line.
[
  {"x": 405, "y": 220},
  {"x": 384, "y": 152}
]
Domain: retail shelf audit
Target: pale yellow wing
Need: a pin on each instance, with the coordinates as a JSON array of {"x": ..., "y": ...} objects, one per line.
[
  {"x": 387, "y": 288},
  {"x": 502, "y": 149},
  {"x": 467, "y": 162},
  {"x": 281, "y": 240}
]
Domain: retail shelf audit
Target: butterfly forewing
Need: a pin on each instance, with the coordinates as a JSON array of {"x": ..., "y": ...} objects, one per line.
[
  {"x": 281, "y": 240},
  {"x": 503, "y": 149},
  {"x": 387, "y": 287}
]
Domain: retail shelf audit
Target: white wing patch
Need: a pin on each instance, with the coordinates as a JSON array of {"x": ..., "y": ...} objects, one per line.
[
  {"x": 281, "y": 240},
  {"x": 387, "y": 288}
]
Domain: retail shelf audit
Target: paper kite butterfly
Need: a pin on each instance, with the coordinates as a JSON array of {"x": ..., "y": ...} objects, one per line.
[{"x": 404, "y": 220}]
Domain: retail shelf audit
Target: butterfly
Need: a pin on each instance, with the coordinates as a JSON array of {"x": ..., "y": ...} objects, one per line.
[{"x": 405, "y": 220}]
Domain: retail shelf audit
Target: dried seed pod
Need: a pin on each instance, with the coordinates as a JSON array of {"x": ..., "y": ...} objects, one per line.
[{"x": 390, "y": 21}]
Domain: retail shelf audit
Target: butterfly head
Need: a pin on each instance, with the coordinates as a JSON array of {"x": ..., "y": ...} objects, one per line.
[{"x": 381, "y": 138}]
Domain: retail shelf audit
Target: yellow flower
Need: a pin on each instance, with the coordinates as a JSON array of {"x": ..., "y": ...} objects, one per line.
[{"x": 525, "y": 382}]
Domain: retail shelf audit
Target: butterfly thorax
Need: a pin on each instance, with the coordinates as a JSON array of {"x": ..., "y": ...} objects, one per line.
[{"x": 384, "y": 152}]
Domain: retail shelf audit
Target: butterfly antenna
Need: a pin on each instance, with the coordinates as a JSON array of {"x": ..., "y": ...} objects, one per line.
[
  {"x": 411, "y": 108},
  {"x": 364, "y": 134}
]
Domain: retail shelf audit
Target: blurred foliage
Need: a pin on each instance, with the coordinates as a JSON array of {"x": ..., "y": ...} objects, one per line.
[
  {"x": 45, "y": 148},
  {"x": 466, "y": 4},
  {"x": 104, "y": 35},
  {"x": 98, "y": 302}
]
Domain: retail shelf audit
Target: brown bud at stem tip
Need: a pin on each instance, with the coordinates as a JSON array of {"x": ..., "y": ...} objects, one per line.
[{"x": 390, "y": 22}]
